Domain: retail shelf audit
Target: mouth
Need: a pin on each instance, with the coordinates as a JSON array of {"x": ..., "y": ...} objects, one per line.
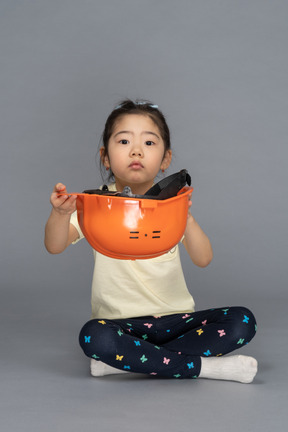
[{"x": 136, "y": 165}]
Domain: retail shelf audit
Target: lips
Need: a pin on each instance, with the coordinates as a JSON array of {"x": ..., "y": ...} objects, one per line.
[{"x": 136, "y": 165}]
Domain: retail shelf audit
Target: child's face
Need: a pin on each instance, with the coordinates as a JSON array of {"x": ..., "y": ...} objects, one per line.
[{"x": 136, "y": 153}]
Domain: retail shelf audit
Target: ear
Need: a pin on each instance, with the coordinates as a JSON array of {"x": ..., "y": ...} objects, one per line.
[
  {"x": 104, "y": 157},
  {"x": 166, "y": 160}
]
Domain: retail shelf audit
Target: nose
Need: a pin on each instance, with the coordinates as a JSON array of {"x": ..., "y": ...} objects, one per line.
[{"x": 136, "y": 151}]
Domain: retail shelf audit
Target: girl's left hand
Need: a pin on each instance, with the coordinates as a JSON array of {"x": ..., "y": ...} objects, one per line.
[{"x": 189, "y": 215}]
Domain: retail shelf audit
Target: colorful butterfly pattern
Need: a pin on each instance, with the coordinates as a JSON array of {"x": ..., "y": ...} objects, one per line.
[
  {"x": 207, "y": 331},
  {"x": 148, "y": 325},
  {"x": 221, "y": 333}
]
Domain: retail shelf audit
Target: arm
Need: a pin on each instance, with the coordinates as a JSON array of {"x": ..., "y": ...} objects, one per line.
[
  {"x": 59, "y": 233},
  {"x": 197, "y": 243}
]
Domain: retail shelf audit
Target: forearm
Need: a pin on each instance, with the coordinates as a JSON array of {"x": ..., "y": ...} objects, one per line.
[
  {"x": 57, "y": 232},
  {"x": 197, "y": 243}
]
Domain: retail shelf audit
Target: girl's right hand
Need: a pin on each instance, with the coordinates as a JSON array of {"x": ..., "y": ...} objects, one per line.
[{"x": 62, "y": 204}]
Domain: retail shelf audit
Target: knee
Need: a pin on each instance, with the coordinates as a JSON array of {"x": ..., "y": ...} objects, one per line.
[
  {"x": 97, "y": 338},
  {"x": 245, "y": 325}
]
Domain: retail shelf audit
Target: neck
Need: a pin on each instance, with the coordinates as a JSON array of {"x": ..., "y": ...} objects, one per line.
[{"x": 137, "y": 189}]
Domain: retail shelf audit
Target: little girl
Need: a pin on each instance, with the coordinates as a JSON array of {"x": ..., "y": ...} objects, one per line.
[{"x": 143, "y": 316}]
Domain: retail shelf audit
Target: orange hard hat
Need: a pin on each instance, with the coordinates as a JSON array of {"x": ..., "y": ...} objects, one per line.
[{"x": 127, "y": 226}]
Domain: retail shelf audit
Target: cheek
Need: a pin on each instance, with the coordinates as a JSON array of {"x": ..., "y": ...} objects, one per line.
[
  {"x": 119, "y": 152},
  {"x": 116, "y": 160}
]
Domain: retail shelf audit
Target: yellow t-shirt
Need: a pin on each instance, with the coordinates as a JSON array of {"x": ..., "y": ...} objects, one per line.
[{"x": 134, "y": 288}]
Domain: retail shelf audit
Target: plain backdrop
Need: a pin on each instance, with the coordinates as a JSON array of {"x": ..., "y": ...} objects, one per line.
[{"x": 218, "y": 70}]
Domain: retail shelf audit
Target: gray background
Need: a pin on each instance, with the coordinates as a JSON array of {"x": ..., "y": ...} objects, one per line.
[{"x": 218, "y": 70}]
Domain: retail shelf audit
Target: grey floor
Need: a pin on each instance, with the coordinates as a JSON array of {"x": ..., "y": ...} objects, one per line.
[{"x": 45, "y": 382}]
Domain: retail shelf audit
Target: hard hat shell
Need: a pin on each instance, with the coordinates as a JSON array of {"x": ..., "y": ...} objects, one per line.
[
  {"x": 133, "y": 228},
  {"x": 127, "y": 226}
]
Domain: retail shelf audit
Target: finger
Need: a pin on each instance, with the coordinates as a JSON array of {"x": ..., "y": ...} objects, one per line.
[
  {"x": 59, "y": 196},
  {"x": 67, "y": 199},
  {"x": 59, "y": 187},
  {"x": 65, "y": 203},
  {"x": 62, "y": 191},
  {"x": 58, "y": 200},
  {"x": 69, "y": 204}
]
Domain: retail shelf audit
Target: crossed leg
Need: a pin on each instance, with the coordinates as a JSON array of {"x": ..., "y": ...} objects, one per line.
[{"x": 178, "y": 346}]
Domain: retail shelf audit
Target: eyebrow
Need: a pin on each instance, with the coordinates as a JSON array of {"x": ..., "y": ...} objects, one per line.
[{"x": 142, "y": 133}]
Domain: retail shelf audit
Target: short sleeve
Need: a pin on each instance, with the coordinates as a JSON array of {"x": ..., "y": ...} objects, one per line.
[{"x": 74, "y": 222}]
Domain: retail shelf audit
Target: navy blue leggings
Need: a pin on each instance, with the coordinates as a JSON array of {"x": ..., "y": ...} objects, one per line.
[{"x": 169, "y": 346}]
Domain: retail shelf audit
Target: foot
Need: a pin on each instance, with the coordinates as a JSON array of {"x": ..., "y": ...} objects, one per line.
[
  {"x": 233, "y": 368},
  {"x": 99, "y": 368}
]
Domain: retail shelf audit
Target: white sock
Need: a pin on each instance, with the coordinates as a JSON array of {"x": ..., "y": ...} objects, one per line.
[
  {"x": 233, "y": 368},
  {"x": 99, "y": 368}
]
